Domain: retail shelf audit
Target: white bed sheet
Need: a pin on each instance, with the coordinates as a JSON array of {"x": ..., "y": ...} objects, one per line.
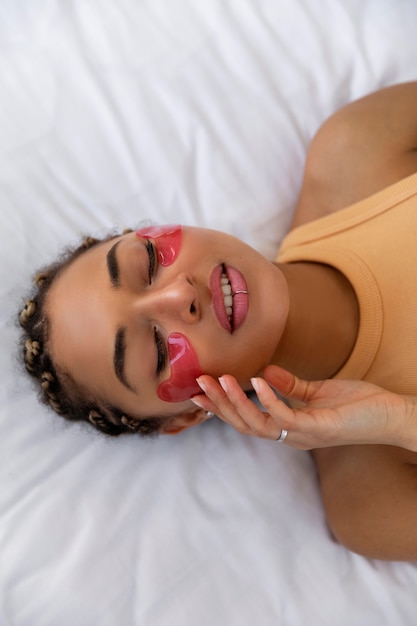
[{"x": 197, "y": 112}]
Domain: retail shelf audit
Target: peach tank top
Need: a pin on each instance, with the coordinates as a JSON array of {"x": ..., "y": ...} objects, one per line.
[{"x": 374, "y": 244}]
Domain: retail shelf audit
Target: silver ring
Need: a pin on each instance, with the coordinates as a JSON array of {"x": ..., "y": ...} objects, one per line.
[
  {"x": 282, "y": 436},
  {"x": 239, "y": 291}
]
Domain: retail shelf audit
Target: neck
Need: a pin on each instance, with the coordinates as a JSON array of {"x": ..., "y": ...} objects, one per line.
[{"x": 322, "y": 324}]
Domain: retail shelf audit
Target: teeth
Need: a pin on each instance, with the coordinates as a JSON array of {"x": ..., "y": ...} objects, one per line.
[{"x": 227, "y": 295}]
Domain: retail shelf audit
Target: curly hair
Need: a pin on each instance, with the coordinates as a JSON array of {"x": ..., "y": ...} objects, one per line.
[{"x": 56, "y": 388}]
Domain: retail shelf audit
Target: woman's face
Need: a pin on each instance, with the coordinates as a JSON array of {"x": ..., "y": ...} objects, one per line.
[{"x": 135, "y": 316}]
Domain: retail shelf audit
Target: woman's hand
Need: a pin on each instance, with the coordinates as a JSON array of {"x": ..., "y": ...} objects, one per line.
[{"x": 330, "y": 413}]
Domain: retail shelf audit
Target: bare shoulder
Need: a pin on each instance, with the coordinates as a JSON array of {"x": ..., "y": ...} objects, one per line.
[{"x": 364, "y": 147}]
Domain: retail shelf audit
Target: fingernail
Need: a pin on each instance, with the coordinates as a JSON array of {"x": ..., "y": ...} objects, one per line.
[
  {"x": 255, "y": 384},
  {"x": 197, "y": 402},
  {"x": 201, "y": 384},
  {"x": 224, "y": 384}
]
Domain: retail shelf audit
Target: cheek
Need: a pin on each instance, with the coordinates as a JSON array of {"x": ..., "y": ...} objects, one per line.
[
  {"x": 185, "y": 368},
  {"x": 167, "y": 241}
]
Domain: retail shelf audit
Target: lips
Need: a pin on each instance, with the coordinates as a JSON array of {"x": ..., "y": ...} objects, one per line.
[{"x": 240, "y": 300}]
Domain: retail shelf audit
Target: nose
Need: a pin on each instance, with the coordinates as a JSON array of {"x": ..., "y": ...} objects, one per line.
[{"x": 176, "y": 300}]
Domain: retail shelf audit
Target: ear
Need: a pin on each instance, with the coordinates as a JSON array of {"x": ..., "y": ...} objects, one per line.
[{"x": 177, "y": 423}]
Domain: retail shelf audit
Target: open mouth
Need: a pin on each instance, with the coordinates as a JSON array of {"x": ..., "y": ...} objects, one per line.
[{"x": 229, "y": 297}]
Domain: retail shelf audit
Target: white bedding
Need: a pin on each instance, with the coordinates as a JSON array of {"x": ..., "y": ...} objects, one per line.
[{"x": 112, "y": 112}]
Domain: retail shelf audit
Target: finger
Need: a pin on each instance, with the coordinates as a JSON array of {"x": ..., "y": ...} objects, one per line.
[
  {"x": 221, "y": 405},
  {"x": 289, "y": 386},
  {"x": 204, "y": 403},
  {"x": 236, "y": 409},
  {"x": 281, "y": 414},
  {"x": 266, "y": 424},
  {"x": 303, "y": 428},
  {"x": 251, "y": 418}
]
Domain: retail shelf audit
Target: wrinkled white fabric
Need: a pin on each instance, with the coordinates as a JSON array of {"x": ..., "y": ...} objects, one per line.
[{"x": 193, "y": 112}]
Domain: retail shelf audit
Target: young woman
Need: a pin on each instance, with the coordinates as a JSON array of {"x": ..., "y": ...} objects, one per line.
[{"x": 154, "y": 330}]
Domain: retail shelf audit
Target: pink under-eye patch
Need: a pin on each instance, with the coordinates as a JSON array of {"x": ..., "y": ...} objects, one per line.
[
  {"x": 167, "y": 241},
  {"x": 185, "y": 368}
]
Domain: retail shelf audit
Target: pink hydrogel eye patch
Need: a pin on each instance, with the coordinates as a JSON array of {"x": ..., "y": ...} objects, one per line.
[
  {"x": 167, "y": 241},
  {"x": 185, "y": 368}
]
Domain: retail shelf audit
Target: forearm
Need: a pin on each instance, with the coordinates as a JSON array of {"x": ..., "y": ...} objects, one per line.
[{"x": 370, "y": 498}]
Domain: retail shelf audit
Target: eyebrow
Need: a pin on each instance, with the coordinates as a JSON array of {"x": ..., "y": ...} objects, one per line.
[
  {"x": 119, "y": 352},
  {"x": 113, "y": 266},
  {"x": 119, "y": 358}
]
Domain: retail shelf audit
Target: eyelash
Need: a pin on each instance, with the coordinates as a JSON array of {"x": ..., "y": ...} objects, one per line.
[
  {"x": 160, "y": 346},
  {"x": 151, "y": 254}
]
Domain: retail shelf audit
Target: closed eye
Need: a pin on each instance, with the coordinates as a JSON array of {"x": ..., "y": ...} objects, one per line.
[
  {"x": 152, "y": 259},
  {"x": 161, "y": 352}
]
